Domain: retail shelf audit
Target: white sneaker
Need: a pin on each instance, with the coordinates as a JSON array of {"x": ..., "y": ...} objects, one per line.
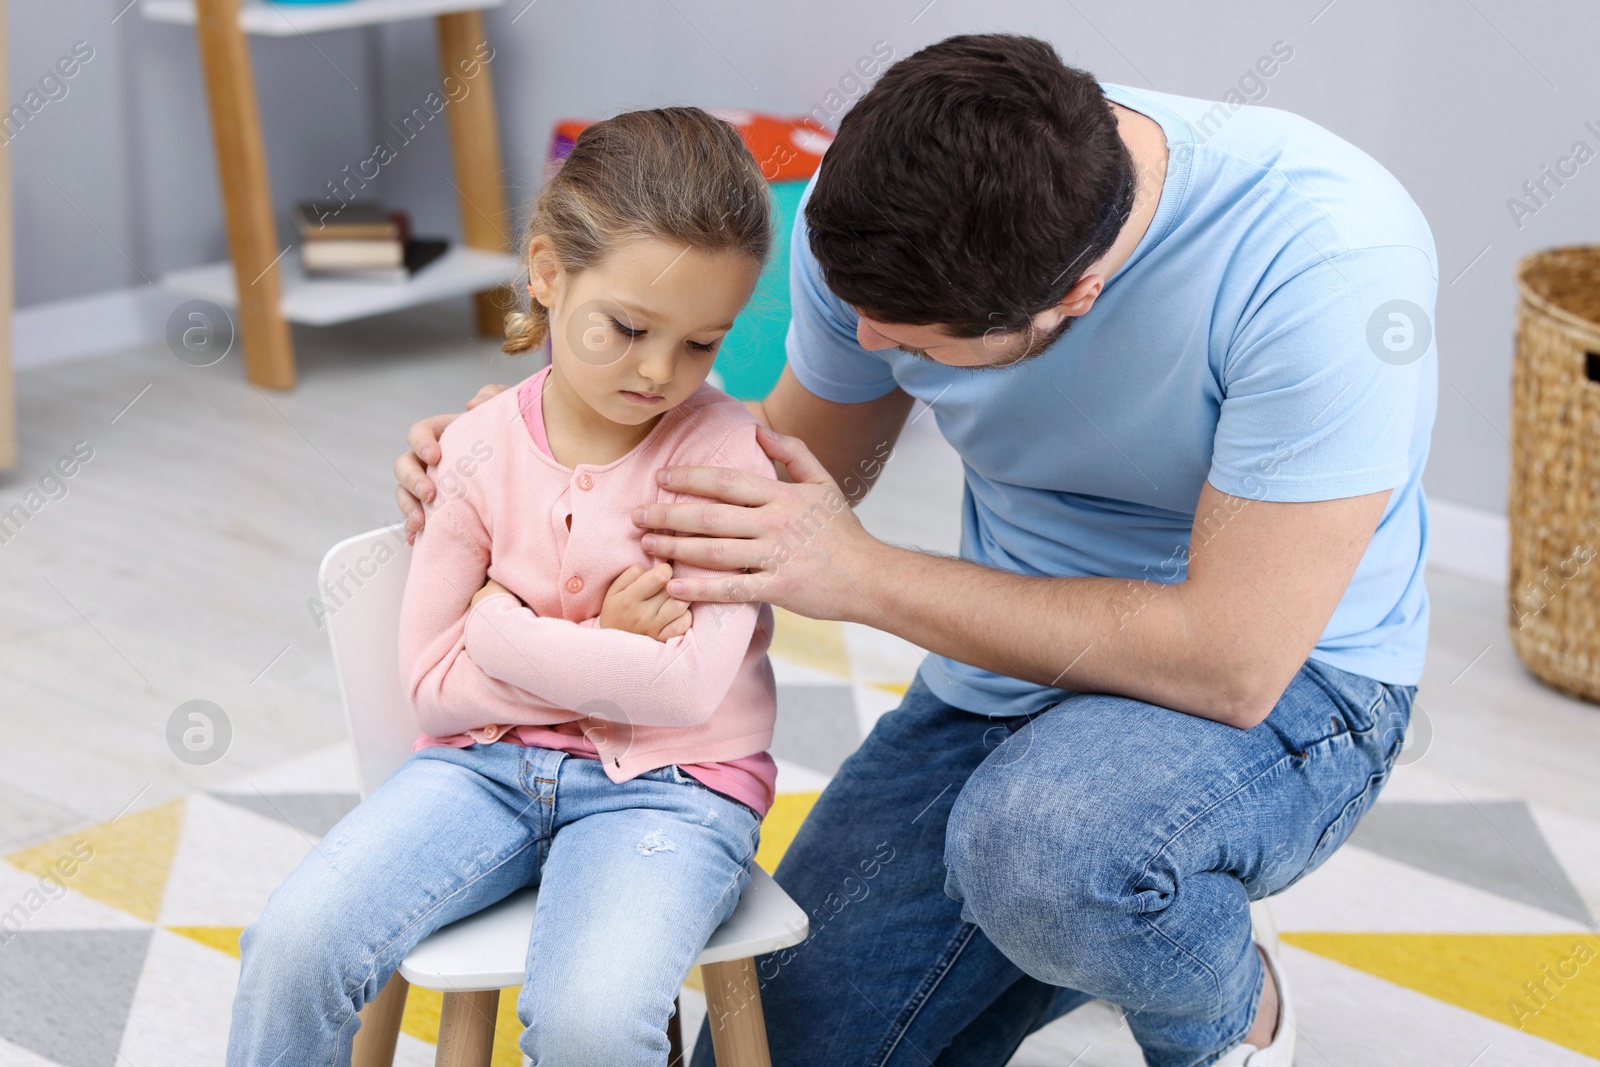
[{"x": 1264, "y": 932}]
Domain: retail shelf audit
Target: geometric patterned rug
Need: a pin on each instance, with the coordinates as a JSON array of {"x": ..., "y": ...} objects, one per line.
[{"x": 1455, "y": 928}]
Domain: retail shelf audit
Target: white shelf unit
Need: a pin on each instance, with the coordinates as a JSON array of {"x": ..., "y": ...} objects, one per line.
[
  {"x": 292, "y": 20},
  {"x": 326, "y": 301},
  {"x": 278, "y": 291}
]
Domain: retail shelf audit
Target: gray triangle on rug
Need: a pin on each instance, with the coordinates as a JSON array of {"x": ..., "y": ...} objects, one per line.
[
  {"x": 816, "y": 726},
  {"x": 313, "y": 814},
  {"x": 1493, "y": 845},
  {"x": 66, "y": 994}
]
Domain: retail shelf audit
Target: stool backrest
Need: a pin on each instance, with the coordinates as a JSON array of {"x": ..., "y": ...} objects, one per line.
[{"x": 362, "y": 581}]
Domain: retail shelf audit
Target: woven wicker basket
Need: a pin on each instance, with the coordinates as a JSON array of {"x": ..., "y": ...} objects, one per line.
[{"x": 1555, "y": 473}]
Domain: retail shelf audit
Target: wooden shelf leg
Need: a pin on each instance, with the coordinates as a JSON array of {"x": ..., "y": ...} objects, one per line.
[
  {"x": 475, "y": 152},
  {"x": 246, "y": 197}
]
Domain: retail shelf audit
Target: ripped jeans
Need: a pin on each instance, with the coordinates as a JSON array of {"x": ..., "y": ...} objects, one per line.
[{"x": 633, "y": 878}]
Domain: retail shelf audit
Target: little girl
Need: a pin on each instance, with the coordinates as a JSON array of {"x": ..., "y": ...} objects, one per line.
[{"x": 582, "y": 731}]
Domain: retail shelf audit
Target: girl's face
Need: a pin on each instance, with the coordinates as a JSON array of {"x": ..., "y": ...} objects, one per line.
[{"x": 636, "y": 334}]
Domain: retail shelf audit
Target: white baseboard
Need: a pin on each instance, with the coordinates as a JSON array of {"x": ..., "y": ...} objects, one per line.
[
  {"x": 1468, "y": 541},
  {"x": 92, "y": 325}
]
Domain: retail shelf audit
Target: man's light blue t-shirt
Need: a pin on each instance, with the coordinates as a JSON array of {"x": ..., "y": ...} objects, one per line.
[{"x": 1270, "y": 334}]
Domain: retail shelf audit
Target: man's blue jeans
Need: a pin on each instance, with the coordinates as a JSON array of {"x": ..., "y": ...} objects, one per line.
[{"x": 970, "y": 879}]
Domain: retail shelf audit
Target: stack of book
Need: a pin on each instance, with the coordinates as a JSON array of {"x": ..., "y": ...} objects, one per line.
[{"x": 360, "y": 241}]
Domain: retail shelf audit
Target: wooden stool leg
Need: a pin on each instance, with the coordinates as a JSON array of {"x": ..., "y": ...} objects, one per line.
[
  {"x": 475, "y": 152},
  {"x": 466, "y": 1029},
  {"x": 246, "y": 197},
  {"x": 733, "y": 1006},
  {"x": 380, "y": 1026},
  {"x": 675, "y": 1035}
]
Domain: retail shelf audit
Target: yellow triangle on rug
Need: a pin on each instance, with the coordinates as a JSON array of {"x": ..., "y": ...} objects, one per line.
[
  {"x": 783, "y": 821},
  {"x": 221, "y": 938},
  {"x": 128, "y": 863},
  {"x": 1547, "y": 985},
  {"x": 813, "y": 643}
]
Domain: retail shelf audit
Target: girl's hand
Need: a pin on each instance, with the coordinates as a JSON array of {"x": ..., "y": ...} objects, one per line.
[
  {"x": 638, "y": 603},
  {"x": 490, "y": 588},
  {"x": 410, "y": 470}
]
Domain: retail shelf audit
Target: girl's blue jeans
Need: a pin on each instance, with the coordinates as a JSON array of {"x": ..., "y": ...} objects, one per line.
[
  {"x": 633, "y": 878},
  {"x": 968, "y": 879}
]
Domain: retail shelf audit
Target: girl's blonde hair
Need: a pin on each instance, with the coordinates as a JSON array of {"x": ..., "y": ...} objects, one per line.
[{"x": 678, "y": 174}]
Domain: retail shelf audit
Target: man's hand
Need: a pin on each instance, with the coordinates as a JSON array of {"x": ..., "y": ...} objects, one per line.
[
  {"x": 410, "y": 469},
  {"x": 638, "y": 603},
  {"x": 798, "y": 542}
]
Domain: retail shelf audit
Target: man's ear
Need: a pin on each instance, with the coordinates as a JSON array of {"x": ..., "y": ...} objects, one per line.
[
  {"x": 1081, "y": 297},
  {"x": 544, "y": 270}
]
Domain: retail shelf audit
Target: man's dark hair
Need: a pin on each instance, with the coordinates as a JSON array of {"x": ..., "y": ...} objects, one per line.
[{"x": 970, "y": 187}]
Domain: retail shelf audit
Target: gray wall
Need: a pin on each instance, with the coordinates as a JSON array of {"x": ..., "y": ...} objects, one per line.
[{"x": 1463, "y": 101}]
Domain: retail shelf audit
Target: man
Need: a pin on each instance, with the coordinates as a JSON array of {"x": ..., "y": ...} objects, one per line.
[{"x": 1191, "y": 381}]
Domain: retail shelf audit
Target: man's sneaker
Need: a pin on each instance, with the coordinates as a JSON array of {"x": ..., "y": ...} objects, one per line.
[{"x": 1264, "y": 932}]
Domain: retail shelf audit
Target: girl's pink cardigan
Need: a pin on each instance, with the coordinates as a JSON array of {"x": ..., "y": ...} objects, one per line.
[{"x": 539, "y": 658}]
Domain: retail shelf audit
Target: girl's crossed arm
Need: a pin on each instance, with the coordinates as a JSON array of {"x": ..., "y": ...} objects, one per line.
[
  {"x": 611, "y": 673},
  {"x": 448, "y": 692}
]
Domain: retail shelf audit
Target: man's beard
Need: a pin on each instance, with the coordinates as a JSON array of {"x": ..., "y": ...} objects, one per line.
[{"x": 1035, "y": 344}]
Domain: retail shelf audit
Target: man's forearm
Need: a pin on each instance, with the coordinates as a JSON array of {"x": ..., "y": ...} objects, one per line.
[
  {"x": 1261, "y": 582},
  {"x": 1133, "y": 638}
]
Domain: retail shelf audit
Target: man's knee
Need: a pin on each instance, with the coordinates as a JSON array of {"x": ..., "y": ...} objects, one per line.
[
  {"x": 1022, "y": 853},
  {"x": 1045, "y": 847}
]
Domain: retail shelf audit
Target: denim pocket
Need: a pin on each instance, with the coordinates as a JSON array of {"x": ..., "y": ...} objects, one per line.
[
  {"x": 1343, "y": 824},
  {"x": 1324, "y": 704},
  {"x": 1357, "y": 698},
  {"x": 1395, "y": 721}
]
